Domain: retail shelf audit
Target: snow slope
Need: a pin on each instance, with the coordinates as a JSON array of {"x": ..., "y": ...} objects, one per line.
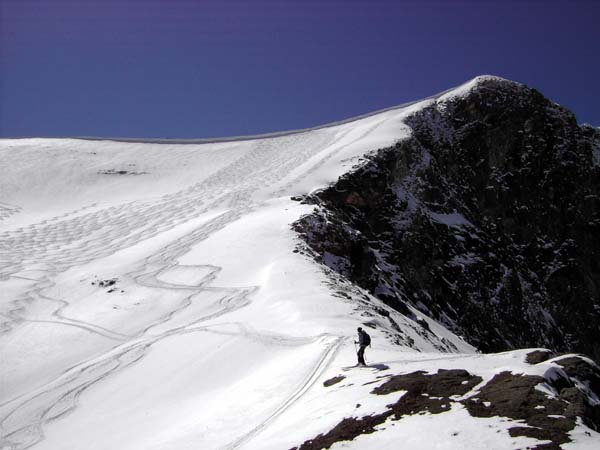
[{"x": 215, "y": 333}]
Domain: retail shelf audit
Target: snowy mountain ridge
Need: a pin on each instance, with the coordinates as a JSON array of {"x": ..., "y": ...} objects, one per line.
[{"x": 154, "y": 295}]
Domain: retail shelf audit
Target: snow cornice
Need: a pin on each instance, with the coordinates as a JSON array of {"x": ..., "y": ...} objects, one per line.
[{"x": 453, "y": 92}]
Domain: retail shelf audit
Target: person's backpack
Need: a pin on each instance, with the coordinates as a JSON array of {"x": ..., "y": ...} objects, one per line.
[{"x": 367, "y": 338}]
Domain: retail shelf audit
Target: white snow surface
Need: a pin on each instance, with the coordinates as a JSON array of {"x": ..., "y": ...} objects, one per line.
[{"x": 215, "y": 335}]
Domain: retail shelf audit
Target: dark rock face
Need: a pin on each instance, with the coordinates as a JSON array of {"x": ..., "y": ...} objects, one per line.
[{"x": 487, "y": 218}]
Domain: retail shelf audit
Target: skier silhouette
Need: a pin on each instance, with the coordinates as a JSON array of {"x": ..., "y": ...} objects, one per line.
[{"x": 364, "y": 340}]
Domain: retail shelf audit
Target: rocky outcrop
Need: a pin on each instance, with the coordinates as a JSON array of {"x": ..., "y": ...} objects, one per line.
[
  {"x": 487, "y": 219},
  {"x": 546, "y": 407}
]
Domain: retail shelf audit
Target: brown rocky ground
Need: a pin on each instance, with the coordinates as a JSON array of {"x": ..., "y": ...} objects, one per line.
[{"x": 570, "y": 393}]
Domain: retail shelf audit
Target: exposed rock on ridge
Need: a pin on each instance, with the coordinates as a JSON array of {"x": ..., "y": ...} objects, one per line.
[
  {"x": 546, "y": 407},
  {"x": 487, "y": 218}
]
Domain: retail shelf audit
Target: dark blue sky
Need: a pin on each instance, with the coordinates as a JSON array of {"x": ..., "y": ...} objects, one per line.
[{"x": 185, "y": 69}]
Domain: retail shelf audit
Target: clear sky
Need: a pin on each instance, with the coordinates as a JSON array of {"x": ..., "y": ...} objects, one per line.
[{"x": 187, "y": 69}]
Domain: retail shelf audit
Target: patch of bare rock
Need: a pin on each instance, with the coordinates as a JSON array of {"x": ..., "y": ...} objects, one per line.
[{"x": 544, "y": 407}]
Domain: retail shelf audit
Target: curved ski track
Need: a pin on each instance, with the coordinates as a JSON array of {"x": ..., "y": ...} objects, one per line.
[{"x": 55, "y": 245}]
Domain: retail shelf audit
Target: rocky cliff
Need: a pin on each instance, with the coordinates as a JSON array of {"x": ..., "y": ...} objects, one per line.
[{"x": 486, "y": 218}]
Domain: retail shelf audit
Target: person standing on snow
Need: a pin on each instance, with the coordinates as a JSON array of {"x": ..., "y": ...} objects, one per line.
[{"x": 364, "y": 340}]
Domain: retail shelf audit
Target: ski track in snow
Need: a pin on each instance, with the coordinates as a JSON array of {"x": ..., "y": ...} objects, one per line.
[
  {"x": 92, "y": 232},
  {"x": 315, "y": 372}
]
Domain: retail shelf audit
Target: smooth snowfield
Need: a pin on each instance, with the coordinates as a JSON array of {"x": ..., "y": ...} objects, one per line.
[{"x": 215, "y": 334}]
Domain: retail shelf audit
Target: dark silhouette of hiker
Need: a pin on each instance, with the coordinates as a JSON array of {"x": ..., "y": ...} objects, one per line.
[{"x": 364, "y": 340}]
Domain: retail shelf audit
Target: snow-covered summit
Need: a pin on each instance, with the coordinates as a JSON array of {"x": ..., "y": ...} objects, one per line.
[{"x": 464, "y": 89}]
